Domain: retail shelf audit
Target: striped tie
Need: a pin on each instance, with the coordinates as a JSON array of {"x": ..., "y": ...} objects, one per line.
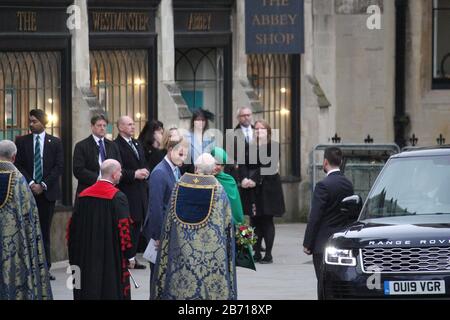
[
  {"x": 130, "y": 142},
  {"x": 37, "y": 161}
]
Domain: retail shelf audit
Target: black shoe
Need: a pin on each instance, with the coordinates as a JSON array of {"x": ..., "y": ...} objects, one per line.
[
  {"x": 52, "y": 277},
  {"x": 139, "y": 265},
  {"x": 266, "y": 260},
  {"x": 257, "y": 257}
]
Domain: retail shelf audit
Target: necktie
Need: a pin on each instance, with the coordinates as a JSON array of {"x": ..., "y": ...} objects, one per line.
[
  {"x": 247, "y": 135},
  {"x": 177, "y": 174},
  {"x": 102, "y": 150},
  {"x": 134, "y": 148},
  {"x": 37, "y": 161}
]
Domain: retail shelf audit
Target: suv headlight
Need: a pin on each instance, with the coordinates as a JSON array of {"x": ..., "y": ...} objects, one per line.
[{"x": 339, "y": 257}]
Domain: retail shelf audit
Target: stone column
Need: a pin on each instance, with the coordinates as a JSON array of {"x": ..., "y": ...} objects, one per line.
[
  {"x": 166, "y": 44},
  {"x": 243, "y": 92},
  {"x": 170, "y": 102},
  {"x": 80, "y": 78}
]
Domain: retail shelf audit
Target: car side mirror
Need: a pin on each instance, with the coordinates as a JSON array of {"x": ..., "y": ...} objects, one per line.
[{"x": 351, "y": 208}]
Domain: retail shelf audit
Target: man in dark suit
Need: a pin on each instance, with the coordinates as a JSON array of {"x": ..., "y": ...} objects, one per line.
[
  {"x": 40, "y": 159},
  {"x": 90, "y": 153},
  {"x": 133, "y": 183},
  {"x": 243, "y": 135},
  {"x": 245, "y": 165},
  {"x": 325, "y": 217},
  {"x": 161, "y": 183}
]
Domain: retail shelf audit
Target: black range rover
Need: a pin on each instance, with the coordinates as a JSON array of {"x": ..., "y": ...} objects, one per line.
[{"x": 399, "y": 247}]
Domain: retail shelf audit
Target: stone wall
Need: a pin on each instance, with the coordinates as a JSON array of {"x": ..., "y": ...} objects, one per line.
[
  {"x": 428, "y": 109},
  {"x": 58, "y": 235}
]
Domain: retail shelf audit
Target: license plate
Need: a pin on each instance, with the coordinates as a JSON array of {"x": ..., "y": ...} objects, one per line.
[{"x": 414, "y": 287}]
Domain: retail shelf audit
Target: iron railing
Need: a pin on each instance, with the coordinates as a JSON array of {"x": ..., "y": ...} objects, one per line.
[
  {"x": 29, "y": 80},
  {"x": 119, "y": 78},
  {"x": 271, "y": 76}
]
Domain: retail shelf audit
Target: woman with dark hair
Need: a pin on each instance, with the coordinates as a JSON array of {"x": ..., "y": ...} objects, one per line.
[
  {"x": 151, "y": 139},
  {"x": 267, "y": 201},
  {"x": 200, "y": 141}
]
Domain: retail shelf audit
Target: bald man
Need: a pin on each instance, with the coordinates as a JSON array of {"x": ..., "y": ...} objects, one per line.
[
  {"x": 134, "y": 176},
  {"x": 99, "y": 239}
]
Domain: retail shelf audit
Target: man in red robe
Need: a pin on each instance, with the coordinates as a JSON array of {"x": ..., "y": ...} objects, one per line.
[{"x": 99, "y": 239}]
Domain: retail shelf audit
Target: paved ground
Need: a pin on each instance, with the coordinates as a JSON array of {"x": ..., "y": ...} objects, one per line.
[{"x": 290, "y": 277}]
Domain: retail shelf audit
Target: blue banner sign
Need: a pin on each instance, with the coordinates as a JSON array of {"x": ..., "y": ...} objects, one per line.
[{"x": 274, "y": 26}]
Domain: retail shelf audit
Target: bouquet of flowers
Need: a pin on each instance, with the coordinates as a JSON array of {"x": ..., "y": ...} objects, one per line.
[
  {"x": 245, "y": 239},
  {"x": 245, "y": 236}
]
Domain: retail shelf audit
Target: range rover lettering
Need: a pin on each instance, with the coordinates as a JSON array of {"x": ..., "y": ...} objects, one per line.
[{"x": 399, "y": 246}]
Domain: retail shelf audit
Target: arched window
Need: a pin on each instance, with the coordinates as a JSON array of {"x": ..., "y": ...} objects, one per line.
[
  {"x": 119, "y": 78},
  {"x": 199, "y": 73},
  {"x": 29, "y": 80},
  {"x": 273, "y": 77},
  {"x": 441, "y": 44}
]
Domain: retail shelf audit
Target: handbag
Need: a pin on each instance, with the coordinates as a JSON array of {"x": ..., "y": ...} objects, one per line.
[{"x": 244, "y": 257}]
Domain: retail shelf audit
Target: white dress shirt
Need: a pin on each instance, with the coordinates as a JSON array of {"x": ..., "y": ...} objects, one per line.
[
  {"x": 332, "y": 171},
  {"x": 248, "y": 132},
  {"x": 173, "y": 167},
  {"x": 97, "y": 140}
]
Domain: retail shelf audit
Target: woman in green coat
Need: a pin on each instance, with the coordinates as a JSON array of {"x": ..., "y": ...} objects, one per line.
[
  {"x": 229, "y": 184},
  {"x": 244, "y": 258}
]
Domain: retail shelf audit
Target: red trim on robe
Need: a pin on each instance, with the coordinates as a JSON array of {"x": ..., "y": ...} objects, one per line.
[
  {"x": 101, "y": 189},
  {"x": 125, "y": 244},
  {"x": 125, "y": 235}
]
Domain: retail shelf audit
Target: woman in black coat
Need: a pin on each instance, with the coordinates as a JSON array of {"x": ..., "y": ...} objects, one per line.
[
  {"x": 151, "y": 139},
  {"x": 265, "y": 195}
]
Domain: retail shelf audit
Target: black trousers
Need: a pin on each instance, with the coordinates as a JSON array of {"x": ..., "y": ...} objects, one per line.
[
  {"x": 46, "y": 210},
  {"x": 264, "y": 229},
  {"x": 152, "y": 275},
  {"x": 318, "y": 265},
  {"x": 135, "y": 230}
]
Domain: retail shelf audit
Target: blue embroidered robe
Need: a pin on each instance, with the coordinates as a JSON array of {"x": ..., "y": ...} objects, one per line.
[
  {"x": 197, "y": 257},
  {"x": 23, "y": 268}
]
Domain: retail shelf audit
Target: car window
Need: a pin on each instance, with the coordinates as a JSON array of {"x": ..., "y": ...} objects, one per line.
[{"x": 411, "y": 186}]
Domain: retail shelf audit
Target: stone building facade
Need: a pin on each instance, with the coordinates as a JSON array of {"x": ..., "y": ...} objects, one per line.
[{"x": 372, "y": 70}]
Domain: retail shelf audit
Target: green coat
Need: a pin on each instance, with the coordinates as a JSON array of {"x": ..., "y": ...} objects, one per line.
[{"x": 231, "y": 189}]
